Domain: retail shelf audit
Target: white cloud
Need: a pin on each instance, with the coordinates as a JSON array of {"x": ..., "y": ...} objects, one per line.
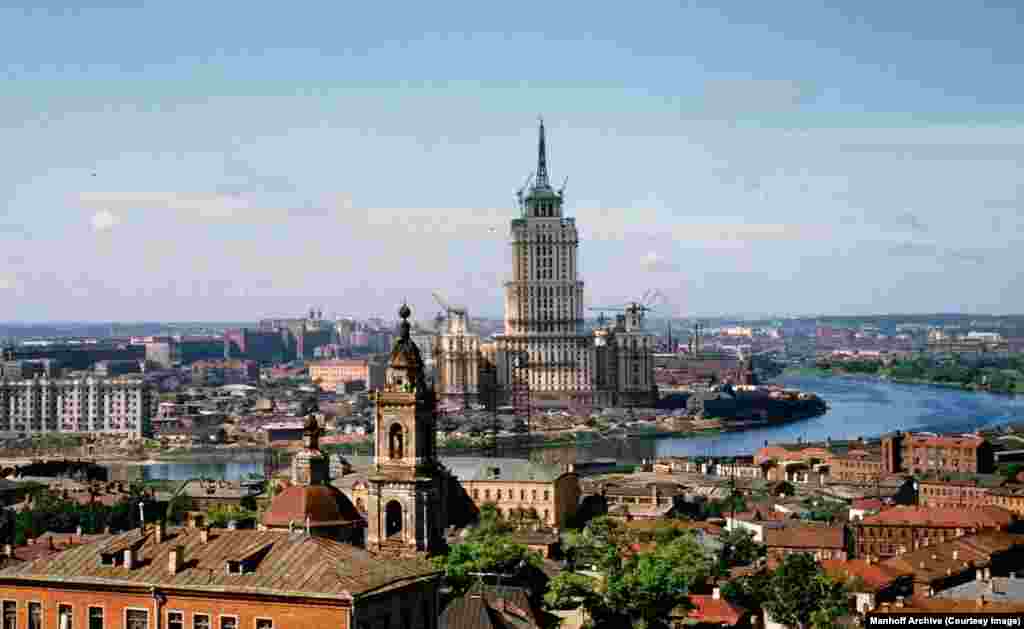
[
  {"x": 655, "y": 263},
  {"x": 104, "y": 220}
]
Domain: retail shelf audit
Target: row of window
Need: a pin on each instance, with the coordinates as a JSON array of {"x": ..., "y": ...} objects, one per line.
[
  {"x": 508, "y": 494},
  {"x": 133, "y": 618}
]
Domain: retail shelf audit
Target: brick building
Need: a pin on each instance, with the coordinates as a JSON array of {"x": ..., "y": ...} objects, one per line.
[
  {"x": 969, "y": 491},
  {"x": 823, "y": 542},
  {"x": 220, "y": 579},
  {"x": 904, "y": 529},
  {"x": 919, "y": 453}
]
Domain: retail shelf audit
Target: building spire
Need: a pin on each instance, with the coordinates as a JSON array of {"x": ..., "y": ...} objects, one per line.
[{"x": 542, "y": 159}]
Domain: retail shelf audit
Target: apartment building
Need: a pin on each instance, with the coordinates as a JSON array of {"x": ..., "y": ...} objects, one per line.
[
  {"x": 970, "y": 491},
  {"x": 330, "y": 374},
  {"x": 79, "y": 405},
  {"x": 905, "y": 529},
  {"x": 920, "y": 453}
]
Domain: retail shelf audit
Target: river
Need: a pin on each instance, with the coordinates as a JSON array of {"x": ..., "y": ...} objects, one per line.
[{"x": 859, "y": 407}]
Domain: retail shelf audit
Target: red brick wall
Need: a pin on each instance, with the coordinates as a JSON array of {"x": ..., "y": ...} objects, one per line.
[{"x": 291, "y": 615}]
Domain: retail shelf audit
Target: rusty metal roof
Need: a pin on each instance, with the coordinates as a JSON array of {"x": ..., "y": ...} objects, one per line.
[{"x": 296, "y": 564}]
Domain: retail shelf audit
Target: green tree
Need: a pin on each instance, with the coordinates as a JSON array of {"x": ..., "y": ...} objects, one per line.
[
  {"x": 636, "y": 590},
  {"x": 800, "y": 594},
  {"x": 739, "y": 549},
  {"x": 488, "y": 548},
  {"x": 598, "y": 544}
]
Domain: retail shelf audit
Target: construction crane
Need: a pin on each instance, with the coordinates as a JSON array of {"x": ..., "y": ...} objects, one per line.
[
  {"x": 519, "y": 195},
  {"x": 640, "y": 307},
  {"x": 450, "y": 309}
]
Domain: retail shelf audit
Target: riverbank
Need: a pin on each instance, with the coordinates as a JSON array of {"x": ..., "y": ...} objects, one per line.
[{"x": 817, "y": 372}]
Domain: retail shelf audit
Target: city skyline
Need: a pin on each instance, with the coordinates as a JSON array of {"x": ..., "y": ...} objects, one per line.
[{"x": 801, "y": 158}]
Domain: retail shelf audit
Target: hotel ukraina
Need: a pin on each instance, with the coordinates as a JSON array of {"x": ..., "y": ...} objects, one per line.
[{"x": 546, "y": 349}]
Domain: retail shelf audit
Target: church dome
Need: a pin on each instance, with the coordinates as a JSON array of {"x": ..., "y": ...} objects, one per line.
[
  {"x": 405, "y": 355},
  {"x": 322, "y": 504}
]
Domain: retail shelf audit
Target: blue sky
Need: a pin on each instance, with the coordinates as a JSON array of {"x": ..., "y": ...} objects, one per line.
[{"x": 233, "y": 160}]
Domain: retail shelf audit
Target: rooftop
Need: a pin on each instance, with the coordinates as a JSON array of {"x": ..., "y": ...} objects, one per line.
[
  {"x": 943, "y": 517},
  {"x": 996, "y": 589},
  {"x": 288, "y": 564},
  {"x": 805, "y": 536},
  {"x": 483, "y": 469},
  {"x": 876, "y": 576}
]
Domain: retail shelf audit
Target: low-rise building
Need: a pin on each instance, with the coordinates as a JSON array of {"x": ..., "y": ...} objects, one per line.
[
  {"x": 870, "y": 582},
  {"x": 331, "y": 375},
  {"x": 823, "y": 542},
  {"x": 968, "y": 491},
  {"x": 905, "y": 529},
  {"x": 229, "y": 579},
  {"x": 516, "y": 486}
]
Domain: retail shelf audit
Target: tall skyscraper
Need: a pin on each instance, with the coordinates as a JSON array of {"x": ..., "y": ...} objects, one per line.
[{"x": 545, "y": 346}]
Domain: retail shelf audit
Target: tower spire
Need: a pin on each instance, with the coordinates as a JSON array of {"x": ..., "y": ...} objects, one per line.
[{"x": 542, "y": 159}]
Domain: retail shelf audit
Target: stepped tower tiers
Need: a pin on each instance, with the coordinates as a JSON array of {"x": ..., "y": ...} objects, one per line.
[
  {"x": 407, "y": 500},
  {"x": 544, "y": 347}
]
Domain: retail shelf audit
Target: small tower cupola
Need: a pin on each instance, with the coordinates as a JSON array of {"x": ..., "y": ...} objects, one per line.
[{"x": 405, "y": 367}]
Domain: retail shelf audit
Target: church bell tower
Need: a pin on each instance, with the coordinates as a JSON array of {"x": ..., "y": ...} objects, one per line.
[{"x": 407, "y": 501}]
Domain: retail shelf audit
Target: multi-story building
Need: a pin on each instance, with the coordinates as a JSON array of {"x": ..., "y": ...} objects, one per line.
[
  {"x": 969, "y": 491},
  {"x": 84, "y": 405},
  {"x": 300, "y": 337},
  {"x": 545, "y": 348},
  {"x": 920, "y": 453},
  {"x": 904, "y": 529},
  {"x": 330, "y": 374},
  {"x": 625, "y": 360},
  {"x": 263, "y": 346},
  {"x": 521, "y": 489},
  {"x": 219, "y": 372},
  {"x": 457, "y": 360}
]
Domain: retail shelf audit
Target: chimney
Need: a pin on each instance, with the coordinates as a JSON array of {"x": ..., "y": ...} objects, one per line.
[
  {"x": 1013, "y": 575},
  {"x": 922, "y": 565},
  {"x": 980, "y": 601},
  {"x": 204, "y": 535},
  {"x": 161, "y": 531},
  {"x": 50, "y": 543},
  {"x": 8, "y": 550},
  {"x": 899, "y": 601},
  {"x": 232, "y": 525},
  {"x": 176, "y": 559},
  {"x": 956, "y": 555},
  {"x": 78, "y": 531},
  {"x": 716, "y": 594},
  {"x": 979, "y": 575},
  {"x": 129, "y": 558}
]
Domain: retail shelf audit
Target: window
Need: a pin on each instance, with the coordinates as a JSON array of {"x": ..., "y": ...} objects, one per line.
[
  {"x": 95, "y": 618},
  {"x": 35, "y": 616},
  {"x": 228, "y": 622},
  {"x": 200, "y": 621},
  {"x": 175, "y": 620},
  {"x": 10, "y": 615},
  {"x": 545, "y": 494},
  {"x": 64, "y": 616},
  {"x": 264, "y": 623},
  {"x": 136, "y": 619}
]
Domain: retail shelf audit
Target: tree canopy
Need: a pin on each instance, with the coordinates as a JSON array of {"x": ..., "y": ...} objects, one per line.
[
  {"x": 798, "y": 593},
  {"x": 488, "y": 548},
  {"x": 630, "y": 589}
]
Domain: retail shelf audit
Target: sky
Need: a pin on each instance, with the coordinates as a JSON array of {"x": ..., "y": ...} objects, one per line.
[{"x": 230, "y": 161}]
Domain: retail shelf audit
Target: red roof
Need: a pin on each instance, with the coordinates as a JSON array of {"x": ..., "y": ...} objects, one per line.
[
  {"x": 944, "y": 517},
  {"x": 876, "y": 576},
  {"x": 867, "y": 504},
  {"x": 806, "y": 536},
  {"x": 718, "y": 611},
  {"x": 323, "y": 504}
]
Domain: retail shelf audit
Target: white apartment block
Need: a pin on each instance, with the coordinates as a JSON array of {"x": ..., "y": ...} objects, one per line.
[{"x": 80, "y": 405}]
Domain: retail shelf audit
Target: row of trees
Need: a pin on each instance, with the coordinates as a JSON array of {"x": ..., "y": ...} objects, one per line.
[
  {"x": 1000, "y": 374},
  {"x": 622, "y": 585},
  {"x": 50, "y": 512}
]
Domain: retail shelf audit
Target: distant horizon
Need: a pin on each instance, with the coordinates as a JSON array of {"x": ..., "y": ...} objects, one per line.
[
  {"x": 802, "y": 156},
  {"x": 722, "y": 317}
]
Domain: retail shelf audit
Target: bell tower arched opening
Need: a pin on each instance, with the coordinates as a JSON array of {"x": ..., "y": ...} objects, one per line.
[
  {"x": 396, "y": 443},
  {"x": 393, "y": 519}
]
